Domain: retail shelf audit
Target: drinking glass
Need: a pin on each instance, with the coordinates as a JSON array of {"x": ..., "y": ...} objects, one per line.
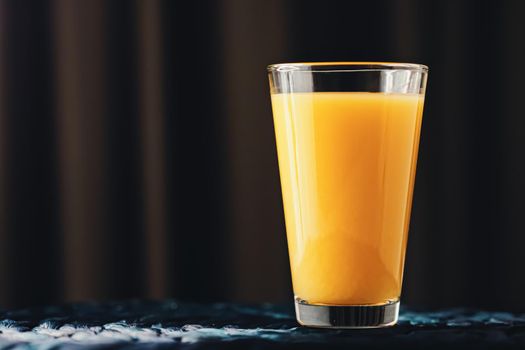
[{"x": 347, "y": 139}]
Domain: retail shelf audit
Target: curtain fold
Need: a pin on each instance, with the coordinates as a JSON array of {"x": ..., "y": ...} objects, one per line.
[
  {"x": 258, "y": 240},
  {"x": 152, "y": 125},
  {"x": 30, "y": 218},
  {"x": 82, "y": 110}
]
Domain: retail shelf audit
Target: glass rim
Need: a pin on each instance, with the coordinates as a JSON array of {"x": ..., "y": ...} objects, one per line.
[{"x": 344, "y": 67}]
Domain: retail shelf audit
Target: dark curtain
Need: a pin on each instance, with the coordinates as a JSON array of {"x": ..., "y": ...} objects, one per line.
[{"x": 137, "y": 153}]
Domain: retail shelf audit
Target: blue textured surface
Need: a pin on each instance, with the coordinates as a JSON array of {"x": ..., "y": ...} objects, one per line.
[{"x": 168, "y": 324}]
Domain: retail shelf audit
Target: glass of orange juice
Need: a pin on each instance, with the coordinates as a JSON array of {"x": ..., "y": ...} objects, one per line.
[{"x": 347, "y": 140}]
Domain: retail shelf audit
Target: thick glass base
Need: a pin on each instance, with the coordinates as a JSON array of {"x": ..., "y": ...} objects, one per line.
[{"x": 356, "y": 316}]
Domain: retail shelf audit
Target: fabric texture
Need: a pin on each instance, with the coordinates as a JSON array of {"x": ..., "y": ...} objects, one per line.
[{"x": 170, "y": 324}]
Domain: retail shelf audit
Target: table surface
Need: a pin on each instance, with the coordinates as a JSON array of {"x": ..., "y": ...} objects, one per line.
[{"x": 140, "y": 324}]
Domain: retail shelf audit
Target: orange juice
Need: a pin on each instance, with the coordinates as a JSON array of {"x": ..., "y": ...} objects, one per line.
[{"x": 347, "y": 162}]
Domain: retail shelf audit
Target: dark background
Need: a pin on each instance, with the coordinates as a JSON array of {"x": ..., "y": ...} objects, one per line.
[{"x": 137, "y": 153}]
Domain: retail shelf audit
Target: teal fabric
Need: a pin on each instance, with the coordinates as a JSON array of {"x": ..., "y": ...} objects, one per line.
[{"x": 170, "y": 324}]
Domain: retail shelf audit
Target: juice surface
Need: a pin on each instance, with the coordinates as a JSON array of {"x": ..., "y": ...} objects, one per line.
[{"x": 347, "y": 162}]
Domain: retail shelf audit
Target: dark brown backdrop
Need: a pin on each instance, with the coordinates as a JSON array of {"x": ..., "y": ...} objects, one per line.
[{"x": 137, "y": 153}]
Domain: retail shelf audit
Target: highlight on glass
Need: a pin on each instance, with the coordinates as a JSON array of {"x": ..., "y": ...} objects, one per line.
[{"x": 347, "y": 139}]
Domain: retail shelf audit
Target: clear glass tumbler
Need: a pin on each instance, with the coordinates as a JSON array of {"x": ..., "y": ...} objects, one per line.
[{"x": 347, "y": 140}]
